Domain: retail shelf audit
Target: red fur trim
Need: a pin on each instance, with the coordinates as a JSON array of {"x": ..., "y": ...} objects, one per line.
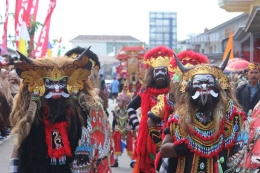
[
  {"x": 144, "y": 142},
  {"x": 62, "y": 128}
]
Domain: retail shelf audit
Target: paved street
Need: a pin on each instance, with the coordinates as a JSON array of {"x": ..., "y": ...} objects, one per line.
[{"x": 7, "y": 145}]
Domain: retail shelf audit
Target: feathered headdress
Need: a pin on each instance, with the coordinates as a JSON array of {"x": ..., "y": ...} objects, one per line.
[
  {"x": 188, "y": 58},
  {"x": 159, "y": 56}
]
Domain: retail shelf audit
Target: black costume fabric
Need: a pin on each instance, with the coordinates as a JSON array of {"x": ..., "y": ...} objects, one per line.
[{"x": 34, "y": 148}]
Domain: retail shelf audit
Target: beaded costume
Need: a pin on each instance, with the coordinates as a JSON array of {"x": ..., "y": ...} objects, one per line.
[{"x": 206, "y": 122}]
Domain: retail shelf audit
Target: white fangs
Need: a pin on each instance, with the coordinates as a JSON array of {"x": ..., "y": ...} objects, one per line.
[
  {"x": 63, "y": 94},
  {"x": 51, "y": 94},
  {"x": 196, "y": 95}
]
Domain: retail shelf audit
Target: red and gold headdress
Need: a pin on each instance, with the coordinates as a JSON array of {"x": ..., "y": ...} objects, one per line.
[
  {"x": 188, "y": 58},
  {"x": 33, "y": 75},
  {"x": 159, "y": 56},
  {"x": 253, "y": 66}
]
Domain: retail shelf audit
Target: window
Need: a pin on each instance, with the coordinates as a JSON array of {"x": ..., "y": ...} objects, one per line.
[
  {"x": 159, "y": 36},
  {"x": 159, "y": 22},
  {"x": 166, "y": 22}
]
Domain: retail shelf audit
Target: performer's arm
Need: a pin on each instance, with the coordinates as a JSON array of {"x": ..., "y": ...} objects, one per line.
[
  {"x": 131, "y": 110},
  {"x": 168, "y": 149},
  {"x": 14, "y": 161}
]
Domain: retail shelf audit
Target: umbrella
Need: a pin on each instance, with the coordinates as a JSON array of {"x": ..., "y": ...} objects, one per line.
[
  {"x": 237, "y": 66},
  {"x": 235, "y": 59},
  {"x": 3, "y": 50}
]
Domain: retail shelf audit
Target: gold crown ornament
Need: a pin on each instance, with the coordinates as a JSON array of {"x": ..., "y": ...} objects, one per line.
[
  {"x": 253, "y": 66},
  {"x": 159, "y": 56},
  {"x": 220, "y": 77}
]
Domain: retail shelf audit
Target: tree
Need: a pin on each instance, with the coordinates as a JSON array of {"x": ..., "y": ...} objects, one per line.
[{"x": 32, "y": 29}]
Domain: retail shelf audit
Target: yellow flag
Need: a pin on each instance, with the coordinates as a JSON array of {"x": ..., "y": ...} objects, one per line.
[
  {"x": 49, "y": 53},
  {"x": 228, "y": 47},
  {"x": 24, "y": 38}
]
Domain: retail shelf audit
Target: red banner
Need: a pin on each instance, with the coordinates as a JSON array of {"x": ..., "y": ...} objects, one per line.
[
  {"x": 4, "y": 37},
  {"x": 31, "y": 11},
  {"x": 42, "y": 44},
  {"x": 20, "y": 7}
]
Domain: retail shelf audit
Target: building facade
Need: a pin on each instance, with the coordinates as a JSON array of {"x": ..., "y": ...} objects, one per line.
[
  {"x": 106, "y": 47},
  {"x": 163, "y": 29},
  {"x": 248, "y": 35}
]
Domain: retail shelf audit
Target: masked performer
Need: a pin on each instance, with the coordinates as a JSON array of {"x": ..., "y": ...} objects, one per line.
[
  {"x": 46, "y": 114},
  {"x": 156, "y": 82},
  {"x": 95, "y": 152},
  {"x": 123, "y": 135},
  {"x": 160, "y": 112},
  {"x": 203, "y": 129},
  {"x": 94, "y": 76}
]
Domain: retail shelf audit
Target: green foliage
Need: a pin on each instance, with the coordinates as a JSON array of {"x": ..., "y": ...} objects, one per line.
[
  {"x": 55, "y": 41},
  {"x": 34, "y": 27}
]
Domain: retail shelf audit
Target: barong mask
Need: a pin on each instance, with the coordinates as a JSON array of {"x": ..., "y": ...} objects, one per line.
[
  {"x": 54, "y": 81},
  {"x": 204, "y": 90},
  {"x": 203, "y": 82}
]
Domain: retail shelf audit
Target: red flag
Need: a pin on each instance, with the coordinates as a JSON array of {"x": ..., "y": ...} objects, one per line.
[
  {"x": 4, "y": 37},
  {"x": 31, "y": 10},
  {"x": 34, "y": 10},
  {"x": 42, "y": 44},
  {"x": 20, "y": 16}
]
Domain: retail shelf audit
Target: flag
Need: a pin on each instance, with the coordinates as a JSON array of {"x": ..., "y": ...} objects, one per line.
[
  {"x": 18, "y": 18},
  {"x": 4, "y": 37},
  {"x": 42, "y": 44},
  {"x": 24, "y": 38},
  {"x": 49, "y": 51},
  {"x": 228, "y": 47},
  {"x": 59, "y": 51}
]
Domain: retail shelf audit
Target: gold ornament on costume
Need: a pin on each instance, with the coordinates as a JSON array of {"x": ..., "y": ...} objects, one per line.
[
  {"x": 204, "y": 69},
  {"x": 253, "y": 66},
  {"x": 33, "y": 75},
  {"x": 158, "y": 109},
  {"x": 158, "y": 62},
  {"x": 74, "y": 56}
]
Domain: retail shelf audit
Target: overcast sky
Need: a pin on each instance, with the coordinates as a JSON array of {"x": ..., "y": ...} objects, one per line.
[{"x": 123, "y": 17}]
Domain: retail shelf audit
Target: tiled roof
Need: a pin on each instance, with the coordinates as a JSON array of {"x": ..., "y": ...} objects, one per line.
[{"x": 105, "y": 38}]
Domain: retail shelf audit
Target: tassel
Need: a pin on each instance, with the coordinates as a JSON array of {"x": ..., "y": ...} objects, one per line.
[
  {"x": 217, "y": 165},
  {"x": 221, "y": 160}
]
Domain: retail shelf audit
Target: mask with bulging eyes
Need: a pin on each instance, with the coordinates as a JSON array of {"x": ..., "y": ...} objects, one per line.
[
  {"x": 204, "y": 90},
  {"x": 160, "y": 75},
  {"x": 56, "y": 89}
]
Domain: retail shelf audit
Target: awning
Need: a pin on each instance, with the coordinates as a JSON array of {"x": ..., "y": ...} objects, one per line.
[{"x": 253, "y": 23}]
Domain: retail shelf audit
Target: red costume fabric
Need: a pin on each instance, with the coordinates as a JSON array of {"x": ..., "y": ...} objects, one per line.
[{"x": 145, "y": 148}]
